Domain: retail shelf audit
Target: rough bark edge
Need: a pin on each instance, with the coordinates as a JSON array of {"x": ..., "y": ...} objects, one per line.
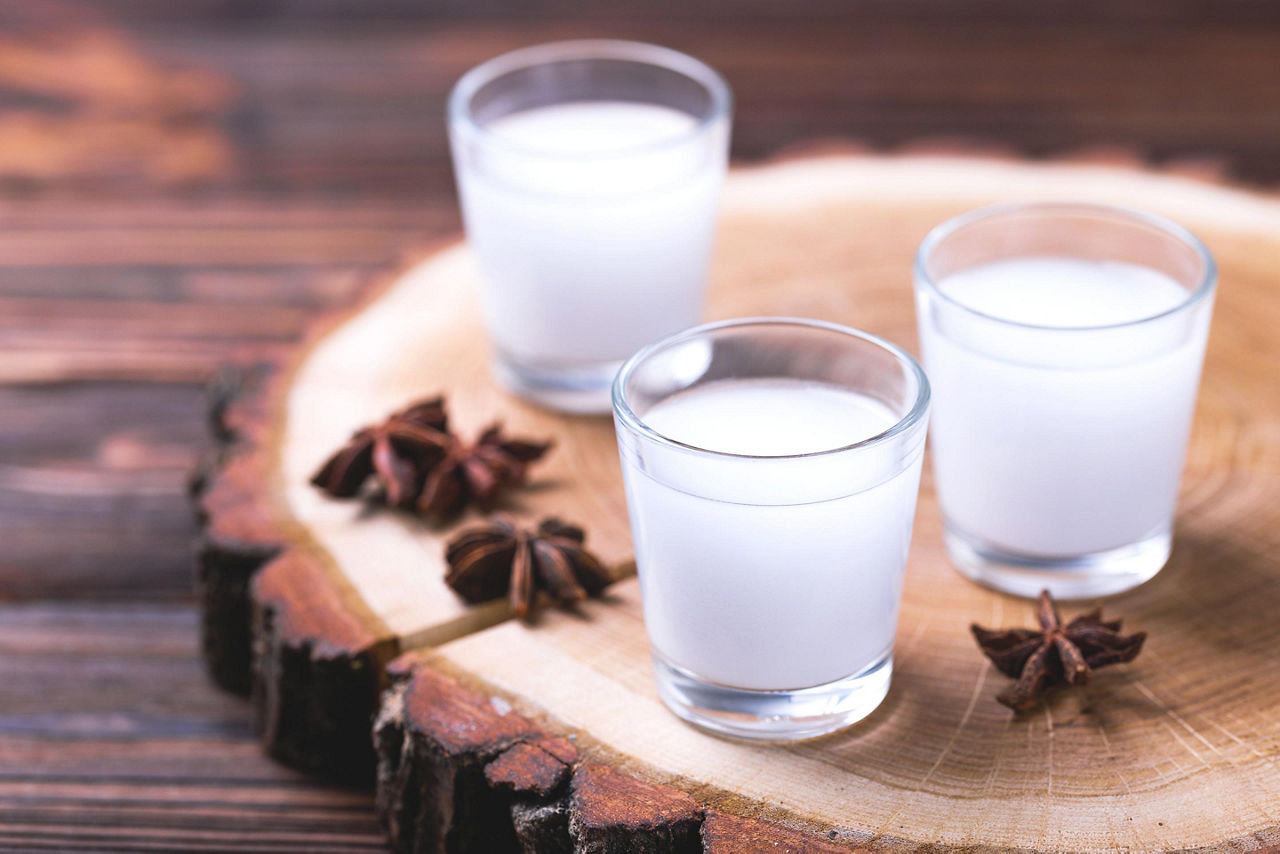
[
  {"x": 243, "y": 404},
  {"x": 242, "y": 530},
  {"x": 461, "y": 772},
  {"x": 317, "y": 669},
  {"x": 273, "y": 622},
  {"x": 237, "y": 533}
]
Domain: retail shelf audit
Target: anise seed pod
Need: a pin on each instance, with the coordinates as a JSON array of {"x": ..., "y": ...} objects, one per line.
[
  {"x": 395, "y": 452},
  {"x": 477, "y": 473},
  {"x": 500, "y": 558},
  {"x": 1057, "y": 654}
]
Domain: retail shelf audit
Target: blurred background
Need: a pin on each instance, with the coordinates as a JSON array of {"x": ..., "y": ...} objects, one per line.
[{"x": 187, "y": 184}]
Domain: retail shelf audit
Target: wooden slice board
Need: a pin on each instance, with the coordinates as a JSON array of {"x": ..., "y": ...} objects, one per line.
[{"x": 1179, "y": 749}]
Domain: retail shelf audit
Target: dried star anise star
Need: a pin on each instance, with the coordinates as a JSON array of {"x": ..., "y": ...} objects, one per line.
[
  {"x": 501, "y": 558},
  {"x": 396, "y": 452},
  {"x": 1057, "y": 654},
  {"x": 421, "y": 466},
  {"x": 477, "y": 473}
]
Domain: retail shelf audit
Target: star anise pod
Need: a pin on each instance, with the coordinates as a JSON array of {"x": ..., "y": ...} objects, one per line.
[
  {"x": 397, "y": 452},
  {"x": 501, "y": 558},
  {"x": 1057, "y": 654},
  {"x": 477, "y": 472}
]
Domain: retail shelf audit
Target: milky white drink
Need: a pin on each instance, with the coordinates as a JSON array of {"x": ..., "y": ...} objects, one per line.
[
  {"x": 771, "y": 574},
  {"x": 592, "y": 224},
  {"x": 1048, "y": 444}
]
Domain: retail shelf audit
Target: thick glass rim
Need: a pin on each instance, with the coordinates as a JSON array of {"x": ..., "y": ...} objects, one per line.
[
  {"x": 1208, "y": 277},
  {"x": 459, "y": 113},
  {"x": 622, "y": 408}
]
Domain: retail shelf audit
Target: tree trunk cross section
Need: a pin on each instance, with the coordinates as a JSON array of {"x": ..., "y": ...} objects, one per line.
[{"x": 495, "y": 734}]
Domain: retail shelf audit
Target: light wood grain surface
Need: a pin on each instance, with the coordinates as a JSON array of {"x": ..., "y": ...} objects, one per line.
[{"x": 1175, "y": 750}]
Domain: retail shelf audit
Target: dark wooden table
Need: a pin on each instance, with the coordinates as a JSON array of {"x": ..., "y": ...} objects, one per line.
[{"x": 186, "y": 184}]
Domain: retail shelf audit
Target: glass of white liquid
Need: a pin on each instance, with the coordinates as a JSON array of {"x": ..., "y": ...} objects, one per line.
[
  {"x": 1064, "y": 344},
  {"x": 589, "y": 173},
  {"x": 771, "y": 469}
]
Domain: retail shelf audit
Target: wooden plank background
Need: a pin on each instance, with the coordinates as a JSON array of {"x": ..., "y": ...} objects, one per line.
[{"x": 183, "y": 184}]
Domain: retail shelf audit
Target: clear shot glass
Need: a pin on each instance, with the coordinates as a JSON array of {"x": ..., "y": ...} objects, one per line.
[
  {"x": 771, "y": 469},
  {"x": 589, "y": 174},
  {"x": 1064, "y": 343}
]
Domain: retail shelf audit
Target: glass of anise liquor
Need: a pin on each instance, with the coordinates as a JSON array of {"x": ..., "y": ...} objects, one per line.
[
  {"x": 771, "y": 468},
  {"x": 589, "y": 174},
  {"x": 1064, "y": 343}
]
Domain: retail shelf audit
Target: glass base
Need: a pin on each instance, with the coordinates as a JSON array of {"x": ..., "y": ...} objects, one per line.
[
  {"x": 581, "y": 389},
  {"x": 1082, "y": 577},
  {"x": 772, "y": 715}
]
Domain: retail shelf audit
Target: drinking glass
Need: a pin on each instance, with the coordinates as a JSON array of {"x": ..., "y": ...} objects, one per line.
[
  {"x": 589, "y": 174},
  {"x": 771, "y": 580},
  {"x": 1064, "y": 343}
]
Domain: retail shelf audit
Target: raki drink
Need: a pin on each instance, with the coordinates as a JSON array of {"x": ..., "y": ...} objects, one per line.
[
  {"x": 1064, "y": 389},
  {"x": 588, "y": 262},
  {"x": 591, "y": 214},
  {"x": 771, "y": 527},
  {"x": 781, "y": 595}
]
